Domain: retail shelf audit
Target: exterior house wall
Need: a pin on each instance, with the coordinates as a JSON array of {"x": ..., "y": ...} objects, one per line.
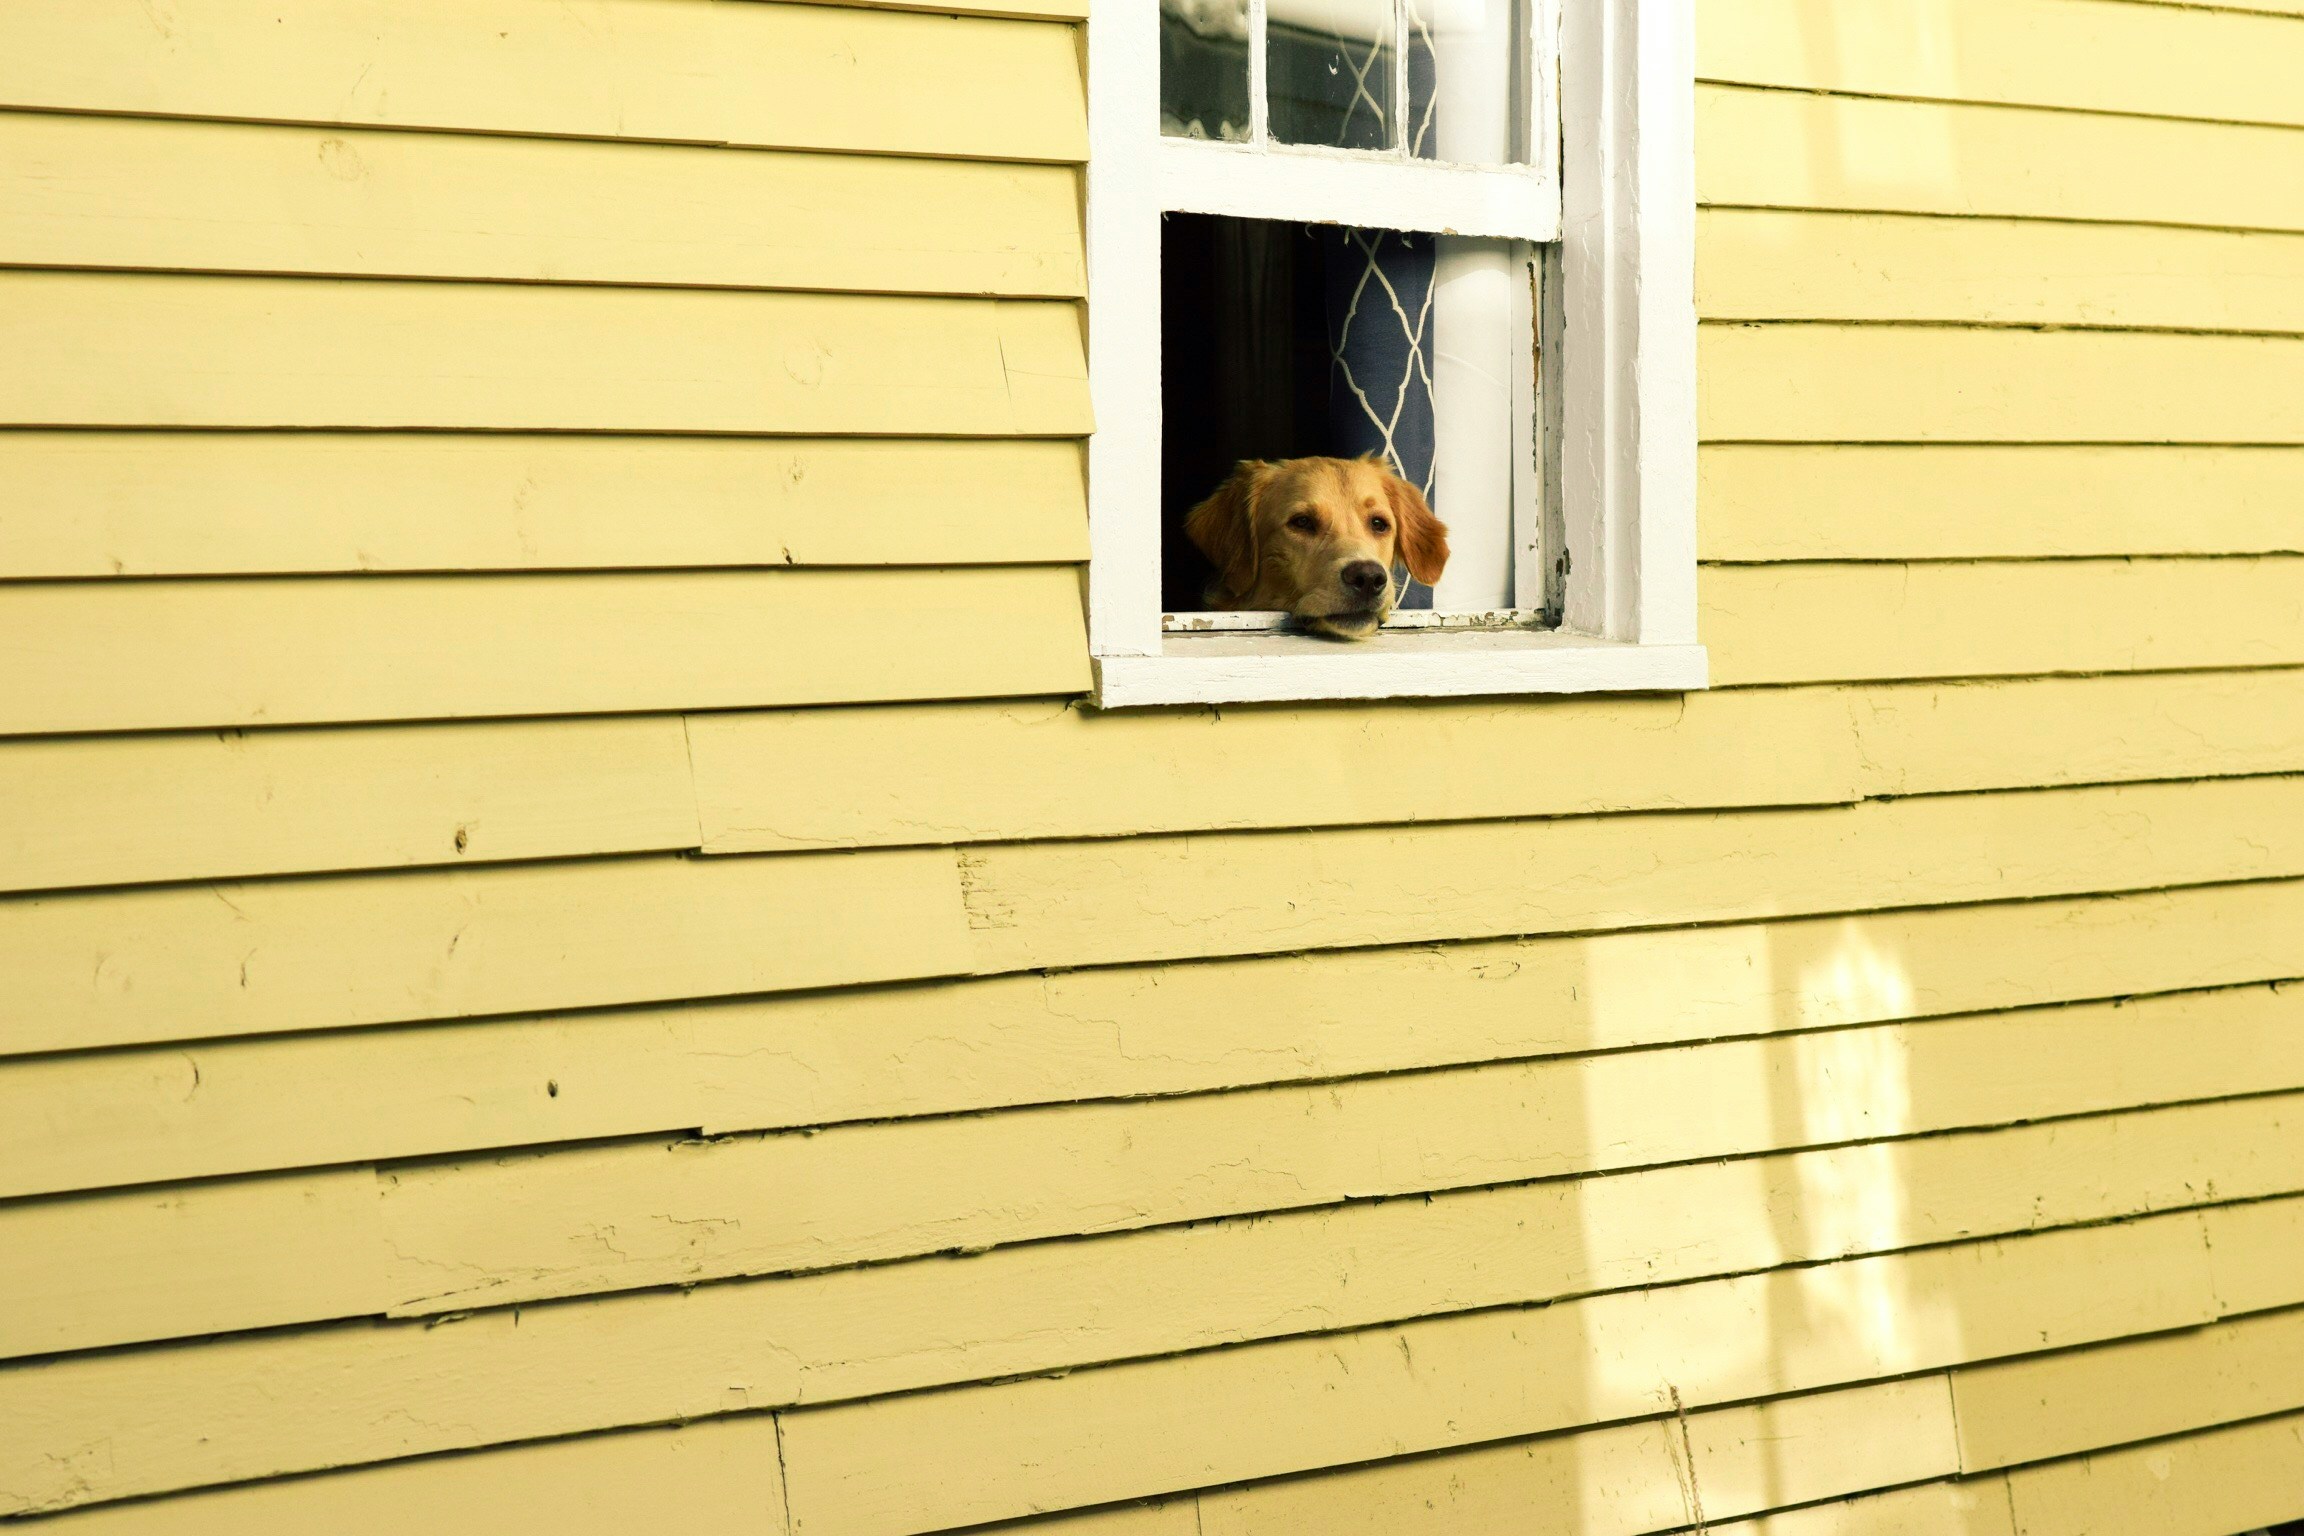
[{"x": 572, "y": 963}]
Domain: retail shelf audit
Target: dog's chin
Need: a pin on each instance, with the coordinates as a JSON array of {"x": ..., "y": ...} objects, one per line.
[{"x": 1352, "y": 624}]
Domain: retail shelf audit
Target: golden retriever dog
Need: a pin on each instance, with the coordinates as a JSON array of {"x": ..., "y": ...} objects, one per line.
[{"x": 1318, "y": 538}]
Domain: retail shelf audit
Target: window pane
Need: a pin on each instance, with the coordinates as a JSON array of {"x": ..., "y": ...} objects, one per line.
[
  {"x": 1332, "y": 66},
  {"x": 1204, "y": 69},
  {"x": 1287, "y": 341},
  {"x": 1466, "y": 68}
]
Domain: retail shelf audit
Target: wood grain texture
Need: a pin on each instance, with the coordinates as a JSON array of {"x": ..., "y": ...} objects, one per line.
[
  {"x": 789, "y": 76},
  {"x": 2144, "y": 59},
  {"x": 1787, "y": 149},
  {"x": 233, "y": 503},
  {"x": 919, "y": 1462},
  {"x": 221, "y": 197},
  {"x": 235, "y": 1408},
  {"x": 129, "y": 350},
  {"x": 2137, "y": 1389},
  {"x": 1769, "y": 501},
  {"x": 180, "y": 963},
  {"x": 717, "y": 1478},
  {"x": 108, "y": 656},
  {"x": 1171, "y": 898},
  {"x": 207, "y": 1108},
  {"x": 1933, "y": 738},
  {"x": 2212, "y": 1484},
  {"x": 847, "y": 777},
  {"x": 80, "y": 810},
  {"x": 1780, "y": 264},
  {"x": 1921, "y": 384},
  {"x": 1808, "y": 623}
]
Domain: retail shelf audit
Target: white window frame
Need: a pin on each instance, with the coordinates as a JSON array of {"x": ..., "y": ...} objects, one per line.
[{"x": 1623, "y": 213}]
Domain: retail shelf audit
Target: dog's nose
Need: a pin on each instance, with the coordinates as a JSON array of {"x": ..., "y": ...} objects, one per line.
[{"x": 1364, "y": 577}]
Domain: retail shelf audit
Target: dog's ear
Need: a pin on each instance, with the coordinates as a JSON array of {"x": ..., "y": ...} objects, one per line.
[
  {"x": 1224, "y": 528},
  {"x": 1423, "y": 538}
]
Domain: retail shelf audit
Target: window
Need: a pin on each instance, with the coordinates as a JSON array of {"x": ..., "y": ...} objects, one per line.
[{"x": 1456, "y": 234}]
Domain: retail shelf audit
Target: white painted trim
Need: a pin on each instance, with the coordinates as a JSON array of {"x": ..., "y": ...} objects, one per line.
[
  {"x": 1244, "y": 669},
  {"x": 1625, "y": 373},
  {"x": 1628, "y": 369},
  {"x": 1371, "y": 191}
]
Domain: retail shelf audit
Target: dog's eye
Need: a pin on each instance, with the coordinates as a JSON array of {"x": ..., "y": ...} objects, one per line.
[
  {"x": 1380, "y": 525},
  {"x": 1304, "y": 522}
]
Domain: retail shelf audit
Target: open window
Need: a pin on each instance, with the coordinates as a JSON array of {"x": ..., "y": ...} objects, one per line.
[{"x": 1336, "y": 228}]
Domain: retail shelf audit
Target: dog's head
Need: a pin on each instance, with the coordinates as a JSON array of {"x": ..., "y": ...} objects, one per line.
[{"x": 1318, "y": 538}]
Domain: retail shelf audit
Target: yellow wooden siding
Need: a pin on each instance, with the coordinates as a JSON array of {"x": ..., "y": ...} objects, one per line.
[
  {"x": 1845, "y": 383},
  {"x": 718, "y": 1478},
  {"x": 233, "y": 503},
  {"x": 2199, "y": 1485},
  {"x": 693, "y": 71},
  {"x": 1767, "y": 502},
  {"x": 280, "y": 1402},
  {"x": 201, "y": 1109},
  {"x": 110, "y": 656},
  {"x": 226, "y": 197},
  {"x": 1788, "y": 149},
  {"x": 569, "y": 890},
  {"x": 2131, "y": 59},
  {"x": 81, "y": 810},
  {"x": 1780, "y": 264},
  {"x": 1160, "y": 898},
  {"x": 189, "y": 962},
  {"x": 924, "y": 1461},
  {"x": 96, "y": 350},
  {"x": 522, "y": 1228}
]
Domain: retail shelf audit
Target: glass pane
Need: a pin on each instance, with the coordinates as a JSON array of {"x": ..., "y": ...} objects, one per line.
[
  {"x": 1331, "y": 65},
  {"x": 1466, "y": 63},
  {"x": 1204, "y": 69}
]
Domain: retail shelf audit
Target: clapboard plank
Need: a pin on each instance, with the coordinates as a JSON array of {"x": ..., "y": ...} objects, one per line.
[
  {"x": 1975, "y": 1507},
  {"x": 180, "y": 963},
  {"x": 253, "y": 1253},
  {"x": 98, "y": 192},
  {"x": 1623, "y": 1480},
  {"x": 1804, "y": 623},
  {"x": 1934, "y": 738},
  {"x": 1770, "y": 501},
  {"x": 236, "y": 1408},
  {"x": 306, "y": 1100},
  {"x": 234, "y": 503},
  {"x": 920, "y": 1462},
  {"x": 114, "y": 810},
  {"x": 790, "y": 76},
  {"x": 110, "y": 656},
  {"x": 2211, "y": 1484},
  {"x": 2252, "y": 1255},
  {"x": 718, "y": 1478},
  {"x": 522, "y": 1227},
  {"x": 1758, "y": 148},
  {"x": 849, "y": 777},
  {"x": 1778, "y": 264},
  {"x": 2137, "y": 1389},
  {"x": 134, "y": 350},
  {"x": 1829, "y": 383},
  {"x": 1172, "y": 898},
  {"x": 2141, "y": 59}
]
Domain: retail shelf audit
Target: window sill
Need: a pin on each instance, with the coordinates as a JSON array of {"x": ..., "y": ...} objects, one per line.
[{"x": 1257, "y": 669}]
